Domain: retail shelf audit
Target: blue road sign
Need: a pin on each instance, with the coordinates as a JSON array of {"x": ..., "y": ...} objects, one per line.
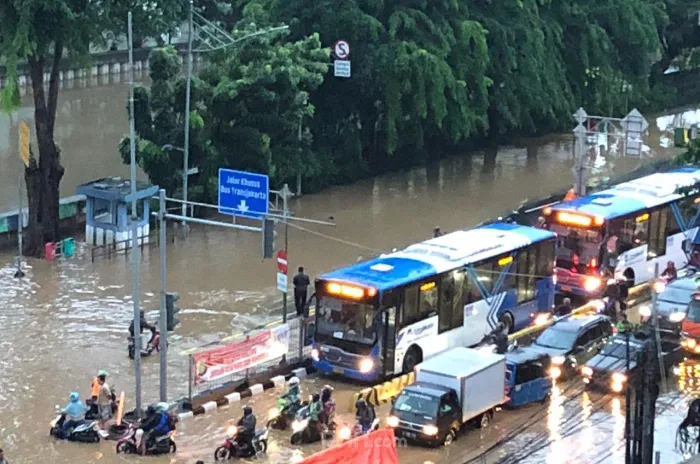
[{"x": 243, "y": 193}]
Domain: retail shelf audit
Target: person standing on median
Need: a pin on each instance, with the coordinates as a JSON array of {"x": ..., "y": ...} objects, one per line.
[{"x": 301, "y": 285}]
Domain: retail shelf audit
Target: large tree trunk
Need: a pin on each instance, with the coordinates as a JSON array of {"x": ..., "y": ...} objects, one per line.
[{"x": 44, "y": 176}]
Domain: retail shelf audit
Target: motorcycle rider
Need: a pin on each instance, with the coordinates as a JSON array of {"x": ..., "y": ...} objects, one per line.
[
  {"x": 500, "y": 338},
  {"x": 364, "y": 415},
  {"x": 144, "y": 325},
  {"x": 246, "y": 429},
  {"x": 315, "y": 410},
  {"x": 75, "y": 413},
  {"x": 327, "y": 405},
  {"x": 670, "y": 272},
  {"x": 292, "y": 394},
  {"x": 155, "y": 425}
]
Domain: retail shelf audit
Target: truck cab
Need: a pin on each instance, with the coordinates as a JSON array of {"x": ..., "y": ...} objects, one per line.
[{"x": 426, "y": 413}]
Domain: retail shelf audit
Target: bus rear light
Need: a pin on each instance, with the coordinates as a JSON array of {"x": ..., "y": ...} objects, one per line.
[{"x": 574, "y": 219}]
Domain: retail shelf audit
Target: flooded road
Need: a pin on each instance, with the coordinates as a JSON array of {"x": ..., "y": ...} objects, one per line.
[{"x": 67, "y": 320}]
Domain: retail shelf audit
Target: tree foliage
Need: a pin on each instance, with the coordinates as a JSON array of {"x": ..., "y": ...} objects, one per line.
[
  {"x": 40, "y": 34},
  {"x": 428, "y": 76},
  {"x": 248, "y": 102}
]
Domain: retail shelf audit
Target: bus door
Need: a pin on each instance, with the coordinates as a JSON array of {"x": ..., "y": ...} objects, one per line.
[{"x": 387, "y": 321}]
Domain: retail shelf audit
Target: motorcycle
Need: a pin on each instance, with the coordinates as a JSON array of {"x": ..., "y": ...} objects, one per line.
[
  {"x": 150, "y": 342},
  {"x": 346, "y": 433},
  {"x": 280, "y": 416},
  {"x": 162, "y": 445},
  {"x": 231, "y": 449},
  {"x": 303, "y": 434},
  {"x": 85, "y": 432},
  {"x": 489, "y": 344}
]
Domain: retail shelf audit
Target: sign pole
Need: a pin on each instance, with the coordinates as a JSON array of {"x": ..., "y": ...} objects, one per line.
[
  {"x": 24, "y": 156},
  {"x": 163, "y": 318}
]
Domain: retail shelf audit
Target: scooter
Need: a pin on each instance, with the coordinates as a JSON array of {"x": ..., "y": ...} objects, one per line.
[
  {"x": 280, "y": 416},
  {"x": 231, "y": 449},
  {"x": 346, "y": 433},
  {"x": 85, "y": 432},
  {"x": 303, "y": 433},
  {"x": 162, "y": 445},
  {"x": 150, "y": 342}
]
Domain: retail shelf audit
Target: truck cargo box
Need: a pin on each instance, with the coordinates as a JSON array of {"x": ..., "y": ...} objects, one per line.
[{"x": 478, "y": 377}]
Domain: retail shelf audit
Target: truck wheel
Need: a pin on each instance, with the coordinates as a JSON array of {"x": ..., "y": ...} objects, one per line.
[
  {"x": 449, "y": 438},
  {"x": 412, "y": 358},
  {"x": 484, "y": 420}
]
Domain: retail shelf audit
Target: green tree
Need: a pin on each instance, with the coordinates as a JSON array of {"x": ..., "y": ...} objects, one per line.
[
  {"x": 248, "y": 103},
  {"x": 41, "y": 33}
]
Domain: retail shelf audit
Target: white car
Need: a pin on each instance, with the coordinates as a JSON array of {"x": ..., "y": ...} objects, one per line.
[{"x": 673, "y": 301}]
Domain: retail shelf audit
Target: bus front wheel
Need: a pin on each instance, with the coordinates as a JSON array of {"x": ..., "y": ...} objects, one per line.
[
  {"x": 413, "y": 357},
  {"x": 629, "y": 275}
]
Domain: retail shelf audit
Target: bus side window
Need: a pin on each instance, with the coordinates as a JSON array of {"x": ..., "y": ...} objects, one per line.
[
  {"x": 545, "y": 259},
  {"x": 410, "y": 305},
  {"x": 428, "y": 301},
  {"x": 657, "y": 232},
  {"x": 524, "y": 281},
  {"x": 458, "y": 300},
  {"x": 471, "y": 293},
  {"x": 447, "y": 295}
]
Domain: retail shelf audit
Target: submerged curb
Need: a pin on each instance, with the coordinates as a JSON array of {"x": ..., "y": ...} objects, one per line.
[{"x": 255, "y": 389}]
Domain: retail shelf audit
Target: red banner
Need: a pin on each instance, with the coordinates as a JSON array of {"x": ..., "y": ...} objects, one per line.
[
  {"x": 374, "y": 448},
  {"x": 238, "y": 356}
]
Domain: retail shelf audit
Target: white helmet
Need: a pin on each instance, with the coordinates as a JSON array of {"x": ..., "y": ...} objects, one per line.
[{"x": 293, "y": 381}]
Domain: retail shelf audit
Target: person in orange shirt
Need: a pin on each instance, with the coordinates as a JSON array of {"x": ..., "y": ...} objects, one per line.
[{"x": 570, "y": 195}]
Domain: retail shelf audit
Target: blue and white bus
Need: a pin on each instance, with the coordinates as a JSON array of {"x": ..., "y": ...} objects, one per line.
[
  {"x": 381, "y": 317},
  {"x": 624, "y": 231}
]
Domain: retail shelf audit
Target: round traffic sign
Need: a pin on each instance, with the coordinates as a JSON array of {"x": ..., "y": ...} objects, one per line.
[
  {"x": 282, "y": 261},
  {"x": 341, "y": 49}
]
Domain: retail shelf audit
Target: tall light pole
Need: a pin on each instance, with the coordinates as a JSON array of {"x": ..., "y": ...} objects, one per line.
[
  {"x": 135, "y": 258},
  {"x": 186, "y": 151},
  {"x": 212, "y": 38}
]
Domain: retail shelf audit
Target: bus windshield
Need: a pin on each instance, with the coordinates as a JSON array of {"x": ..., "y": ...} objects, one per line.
[
  {"x": 346, "y": 320},
  {"x": 578, "y": 248}
]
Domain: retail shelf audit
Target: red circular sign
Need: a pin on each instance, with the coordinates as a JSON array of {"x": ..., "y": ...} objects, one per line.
[
  {"x": 282, "y": 261},
  {"x": 341, "y": 49}
]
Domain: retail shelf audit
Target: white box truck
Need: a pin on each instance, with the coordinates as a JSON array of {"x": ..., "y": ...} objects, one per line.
[{"x": 454, "y": 388}]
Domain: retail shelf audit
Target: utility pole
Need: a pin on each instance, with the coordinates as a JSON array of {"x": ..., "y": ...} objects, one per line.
[
  {"x": 135, "y": 255},
  {"x": 655, "y": 324},
  {"x": 301, "y": 120},
  {"x": 20, "y": 220},
  {"x": 628, "y": 404},
  {"x": 186, "y": 151},
  {"x": 162, "y": 318},
  {"x": 651, "y": 381}
]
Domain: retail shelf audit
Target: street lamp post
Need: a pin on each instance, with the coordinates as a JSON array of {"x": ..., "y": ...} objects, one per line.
[{"x": 212, "y": 38}]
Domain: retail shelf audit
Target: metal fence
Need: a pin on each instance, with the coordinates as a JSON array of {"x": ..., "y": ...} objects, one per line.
[{"x": 298, "y": 349}]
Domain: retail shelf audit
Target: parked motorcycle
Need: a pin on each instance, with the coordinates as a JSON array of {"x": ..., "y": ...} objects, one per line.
[
  {"x": 346, "y": 433},
  {"x": 85, "y": 432},
  {"x": 150, "y": 342},
  {"x": 280, "y": 417},
  {"x": 162, "y": 445},
  {"x": 231, "y": 449}
]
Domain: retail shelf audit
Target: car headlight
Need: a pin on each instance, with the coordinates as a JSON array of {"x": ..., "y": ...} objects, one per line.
[
  {"x": 273, "y": 414},
  {"x": 619, "y": 378},
  {"x": 392, "y": 421},
  {"x": 676, "y": 317},
  {"x": 645, "y": 311},
  {"x": 366, "y": 365},
  {"x": 299, "y": 425},
  {"x": 315, "y": 355},
  {"x": 558, "y": 360},
  {"x": 587, "y": 371},
  {"x": 430, "y": 430},
  {"x": 555, "y": 372},
  {"x": 591, "y": 284}
]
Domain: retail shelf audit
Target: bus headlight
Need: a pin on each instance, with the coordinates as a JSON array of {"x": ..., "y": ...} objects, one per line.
[
  {"x": 591, "y": 284},
  {"x": 315, "y": 355},
  {"x": 366, "y": 365},
  {"x": 430, "y": 430},
  {"x": 392, "y": 421},
  {"x": 619, "y": 378},
  {"x": 676, "y": 317},
  {"x": 587, "y": 371}
]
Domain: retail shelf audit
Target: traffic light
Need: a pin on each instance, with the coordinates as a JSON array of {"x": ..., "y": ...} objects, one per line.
[
  {"x": 268, "y": 242},
  {"x": 171, "y": 309}
]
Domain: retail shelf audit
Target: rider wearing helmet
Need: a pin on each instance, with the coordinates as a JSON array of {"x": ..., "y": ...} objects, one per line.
[
  {"x": 156, "y": 424},
  {"x": 327, "y": 405},
  {"x": 364, "y": 415},
  {"x": 246, "y": 428},
  {"x": 74, "y": 411},
  {"x": 292, "y": 395}
]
